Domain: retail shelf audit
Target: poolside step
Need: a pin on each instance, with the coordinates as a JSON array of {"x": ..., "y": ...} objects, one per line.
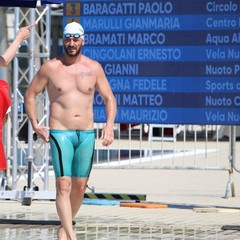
[
  {"x": 116, "y": 196},
  {"x": 143, "y": 205}
]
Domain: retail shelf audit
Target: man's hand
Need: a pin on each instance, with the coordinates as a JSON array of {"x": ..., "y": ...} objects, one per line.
[
  {"x": 107, "y": 136},
  {"x": 42, "y": 132}
]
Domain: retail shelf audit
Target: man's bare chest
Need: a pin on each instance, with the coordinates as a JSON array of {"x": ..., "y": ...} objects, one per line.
[{"x": 81, "y": 81}]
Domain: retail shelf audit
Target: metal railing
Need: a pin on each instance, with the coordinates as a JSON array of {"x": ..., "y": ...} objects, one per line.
[{"x": 193, "y": 147}]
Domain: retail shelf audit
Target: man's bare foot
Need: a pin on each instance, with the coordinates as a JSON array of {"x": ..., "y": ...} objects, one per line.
[{"x": 61, "y": 235}]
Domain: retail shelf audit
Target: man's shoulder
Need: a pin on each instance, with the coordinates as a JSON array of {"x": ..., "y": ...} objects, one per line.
[
  {"x": 54, "y": 62},
  {"x": 90, "y": 61}
]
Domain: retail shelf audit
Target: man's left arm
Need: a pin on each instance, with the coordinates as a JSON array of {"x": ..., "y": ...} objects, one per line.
[{"x": 105, "y": 91}]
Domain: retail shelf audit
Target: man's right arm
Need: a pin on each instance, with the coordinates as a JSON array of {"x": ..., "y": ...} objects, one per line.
[{"x": 37, "y": 85}]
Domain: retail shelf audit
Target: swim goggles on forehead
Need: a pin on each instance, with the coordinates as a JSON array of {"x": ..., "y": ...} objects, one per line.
[{"x": 75, "y": 35}]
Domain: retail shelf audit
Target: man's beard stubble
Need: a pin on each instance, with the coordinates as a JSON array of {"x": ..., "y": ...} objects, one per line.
[{"x": 70, "y": 54}]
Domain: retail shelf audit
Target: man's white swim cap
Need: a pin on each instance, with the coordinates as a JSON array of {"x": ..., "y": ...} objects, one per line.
[{"x": 73, "y": 28}]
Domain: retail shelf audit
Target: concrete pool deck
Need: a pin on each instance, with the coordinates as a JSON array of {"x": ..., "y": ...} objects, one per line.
[{"x": 196, "y": 208}]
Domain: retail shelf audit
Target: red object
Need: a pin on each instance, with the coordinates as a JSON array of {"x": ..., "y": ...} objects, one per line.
[{"x": 5, "y": 103}]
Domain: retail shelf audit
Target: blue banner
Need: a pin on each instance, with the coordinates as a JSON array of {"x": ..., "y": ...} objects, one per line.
[{"x": 169, "y": 62}]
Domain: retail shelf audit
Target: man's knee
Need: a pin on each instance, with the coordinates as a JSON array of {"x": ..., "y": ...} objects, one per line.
[
  {"x": 63, "y": 185},
  {"x": 79, "y": 184}
]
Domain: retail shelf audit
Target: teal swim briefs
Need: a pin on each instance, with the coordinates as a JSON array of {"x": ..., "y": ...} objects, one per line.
[{"x": 72, "y": 152}]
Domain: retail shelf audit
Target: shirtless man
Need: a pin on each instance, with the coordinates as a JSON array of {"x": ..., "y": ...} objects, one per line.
[{"x": 71, "y": 80}]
